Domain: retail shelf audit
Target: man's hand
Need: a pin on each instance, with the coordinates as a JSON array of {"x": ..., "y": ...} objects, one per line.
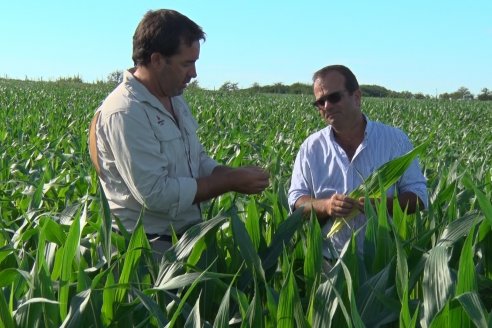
[
  {"x": 339, "y": 205},
  {"x": 245, "y": 180},
  {"x": 249, "y": 179}
]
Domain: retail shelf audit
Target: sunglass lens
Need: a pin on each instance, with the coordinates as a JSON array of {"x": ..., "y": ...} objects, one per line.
[{"x": 334, "y": 97}]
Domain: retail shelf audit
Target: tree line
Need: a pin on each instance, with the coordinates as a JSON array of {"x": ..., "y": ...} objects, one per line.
[
  {"x": 376, "y": 91},
  {"x": 373, "y": 90}
]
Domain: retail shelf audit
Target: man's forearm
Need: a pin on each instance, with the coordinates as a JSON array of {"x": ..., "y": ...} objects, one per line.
[
  {"x": 311, "y": 204},
  {"x": 214, "y": 185}
]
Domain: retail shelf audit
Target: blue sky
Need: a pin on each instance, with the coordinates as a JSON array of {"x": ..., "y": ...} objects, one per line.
[{"x": 419, "y": 46}]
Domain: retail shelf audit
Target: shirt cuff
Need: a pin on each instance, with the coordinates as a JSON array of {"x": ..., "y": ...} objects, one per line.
[{"x": 207, "y": 167}]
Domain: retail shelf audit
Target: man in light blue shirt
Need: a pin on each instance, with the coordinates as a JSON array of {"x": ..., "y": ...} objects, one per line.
[{"x": 337, "y": 159}]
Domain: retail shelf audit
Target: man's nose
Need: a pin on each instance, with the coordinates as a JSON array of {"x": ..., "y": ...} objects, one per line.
[{"x": 193, "y": 72}]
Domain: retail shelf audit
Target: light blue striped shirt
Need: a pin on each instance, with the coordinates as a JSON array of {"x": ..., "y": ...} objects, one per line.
[{"x": 322, "y": 168}]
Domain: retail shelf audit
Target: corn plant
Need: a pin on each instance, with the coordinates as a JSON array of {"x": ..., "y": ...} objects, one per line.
[{"x": 251, "y": 262}]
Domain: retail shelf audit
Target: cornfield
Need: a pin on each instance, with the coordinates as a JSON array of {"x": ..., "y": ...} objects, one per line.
[{"x": 250, "y": 263}]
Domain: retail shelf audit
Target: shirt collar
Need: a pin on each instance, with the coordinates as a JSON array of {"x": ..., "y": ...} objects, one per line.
[
  {"x": 140, "y": 91},
  {"x": 367, "y": 131}
]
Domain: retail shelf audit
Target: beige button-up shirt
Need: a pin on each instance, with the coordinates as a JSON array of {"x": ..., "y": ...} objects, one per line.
[{"x": 148, "y": 159}]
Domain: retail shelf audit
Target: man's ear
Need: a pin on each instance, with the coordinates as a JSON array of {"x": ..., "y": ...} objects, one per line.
[
  {"x": 358, "y": 97},
  {"x": 156, "y": 59}
]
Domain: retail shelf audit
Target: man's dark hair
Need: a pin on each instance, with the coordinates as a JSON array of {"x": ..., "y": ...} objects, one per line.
[
  {"x": 351, "y": 83},
  {"x": 163, "y": 31}
]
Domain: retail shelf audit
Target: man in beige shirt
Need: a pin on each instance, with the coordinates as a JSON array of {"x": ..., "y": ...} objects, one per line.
[{"x": 148, "y": 154}]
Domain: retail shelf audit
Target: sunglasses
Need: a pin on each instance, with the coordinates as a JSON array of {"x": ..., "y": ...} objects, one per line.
[{"x": 332, "y": 98}]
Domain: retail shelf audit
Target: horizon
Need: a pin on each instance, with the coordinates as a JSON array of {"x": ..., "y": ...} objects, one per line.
[
  {"x": 419, "y": 47},
  {"x": 67, "y": 79}
]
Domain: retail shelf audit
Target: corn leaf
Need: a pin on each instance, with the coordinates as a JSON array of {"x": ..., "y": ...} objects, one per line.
[
  {"x": 152, "y": 307},
  {"x": 77, "y": 307},
  {"x": 313, "y": 254},
  {"x": 69, "y": 253},
  {"x": 105, "y": 226},
  {"x": 108, "y": 299},
  {"x": 282, "y": 236},
  {"x": 437, "y": 283},
  {"x": 253, "y": 223},
  {"x": 483, "y": 201},
  {"x": 388, "y": 174},
  {"x": 288, "y": 312},
  {"x": 246, "y": 248},
  {"x": 185, "y": 245},
  {"x": 6, "y": 319},
  {"x": 194, "y": 320},
  {"x": 474, "y": 308},
  {"x": 137, "y": 242},
  {"x": 222, "y": 318}
]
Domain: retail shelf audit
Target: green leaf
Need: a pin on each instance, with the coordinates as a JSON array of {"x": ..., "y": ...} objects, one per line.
[
  {"x": 222, "y": 318},
  {"x": 466, "y": 281},
  {"x": 9, "y": 275},
  {"x": 253, "y": 224},
  {"x": 184, "y": 299},
  {"x": 381, "y": 179},
  {"x": 53, "y": 232},
  {"x": 152, "y": 307},
  {"x": 283, "y": 235},
  {"x": 69, "y": 254},
  {"x": 194, "y": 320},
  {"x": 246, "y": 248},
  {"x": 187, "y": 279},
  {"x": 105, "y": 226},
  {"x": 354, "y": 312},
  {"x": 287, "y": 302},
  {"x": 474, "y": 308},
  {"x": 401, "y": 269},
  {"x": 437, "y": 283},
  {"x": 254, "y": 315},
  {"x": 483, "y": 201},
  {"x": 77, "y": 307},
  {"x": 109, "y": 296},
  {"x": 313, "y": 254},
  {"x": 6, "y": 319},
  {"x": 185, "y": 245},
  {"x": 137, "y": 242}
]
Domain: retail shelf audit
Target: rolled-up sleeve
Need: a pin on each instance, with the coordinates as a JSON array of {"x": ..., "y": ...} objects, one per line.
[
  {"x": 299, "y": 185},
  {"x": 207, "y": 164},
  {"x": 413, "y": 179}
]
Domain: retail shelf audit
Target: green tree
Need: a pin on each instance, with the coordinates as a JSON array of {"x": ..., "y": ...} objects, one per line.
[
  {"x": 229, "y": 86},
  {"x": 115, "y": 77},
  {"x": 485, "y": 94},
  {"x": 374, "y": 91},
  {"x": 462, "y": 93},
  {"x": 194, "y": 85}
]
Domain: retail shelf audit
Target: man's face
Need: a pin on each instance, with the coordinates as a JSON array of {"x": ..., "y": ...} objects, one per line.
[
  {"x": 176, "y": 71},
  {"x": 334, "y": 103}
]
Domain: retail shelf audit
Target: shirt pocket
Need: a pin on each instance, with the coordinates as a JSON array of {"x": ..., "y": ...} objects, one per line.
[
  {"x": 193, "y": 145},
  {"x": 171, "y": 147}
]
